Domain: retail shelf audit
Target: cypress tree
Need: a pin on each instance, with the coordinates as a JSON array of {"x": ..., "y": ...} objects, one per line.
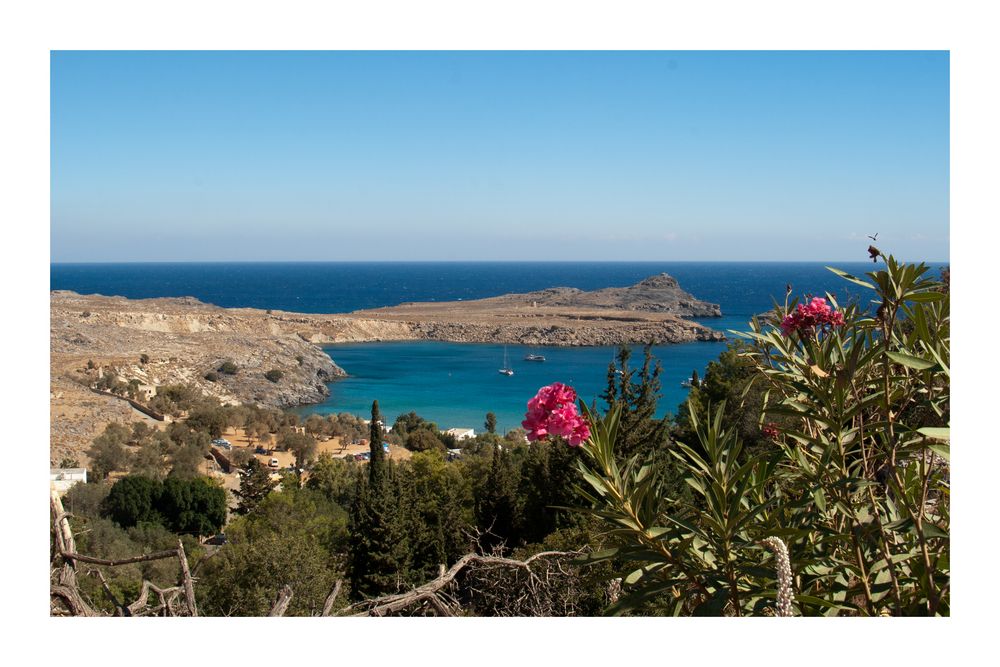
[
  {"x": 379, "y": 548},
  {"x": 496, "y": 509},
  {"x": 639, "y": 432},
  {"x": 377, "y": 463},
  {"x": 255, "y": 484}
]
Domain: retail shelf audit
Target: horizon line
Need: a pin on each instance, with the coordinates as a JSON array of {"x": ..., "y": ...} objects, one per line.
[{"x": 493, "y": 261}]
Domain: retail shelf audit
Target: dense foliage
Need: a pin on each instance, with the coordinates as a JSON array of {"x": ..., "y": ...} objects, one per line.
[
  {"x": 856, "y": 406},
  {"x": 196, "y": 506}
]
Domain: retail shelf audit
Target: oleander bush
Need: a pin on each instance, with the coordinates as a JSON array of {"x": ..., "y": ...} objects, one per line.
[{"x": 845, "y": 513}]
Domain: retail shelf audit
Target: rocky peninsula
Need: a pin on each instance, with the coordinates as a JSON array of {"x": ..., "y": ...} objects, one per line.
[{"x": 157, "y": 342}]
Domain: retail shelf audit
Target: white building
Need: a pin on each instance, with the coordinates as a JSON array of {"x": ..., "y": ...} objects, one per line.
[
  {"x": 461, "y": 433},
  {"x": 146, "y": 392},
  {"x": 62, "y": 479}
]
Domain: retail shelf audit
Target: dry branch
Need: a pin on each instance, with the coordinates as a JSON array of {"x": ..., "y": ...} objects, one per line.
[
  {"x": 429, "y": 593},
  {"x": 331, "y": 598},
  {"x": 281, "y": 603},
  {"x": 188, "y": 581}
]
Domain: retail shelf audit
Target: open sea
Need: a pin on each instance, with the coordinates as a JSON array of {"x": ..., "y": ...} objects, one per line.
[{"x": 453, "y": 384}]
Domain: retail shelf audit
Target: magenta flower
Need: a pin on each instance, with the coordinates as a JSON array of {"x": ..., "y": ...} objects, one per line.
[
  {"x": 807, "y": 317},
  {"x": 770, "y": 431},
  {"x": 553, "y": 412}
]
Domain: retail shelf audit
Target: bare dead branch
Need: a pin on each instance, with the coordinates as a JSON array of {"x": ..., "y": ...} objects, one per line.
[
  {"x": 159, "y": 555},
  {"x": 188, "y": 581},
  {"x": 331, "y": 598},
  {"x": 281, "y": 603},
  {"x": 428, "y": 593}
]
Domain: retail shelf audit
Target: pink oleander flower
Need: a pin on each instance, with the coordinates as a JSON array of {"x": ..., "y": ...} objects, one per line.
[
  {"x": 808, "y": 316},
  {"x": 770, "y": 431},
  {"x": 553, "y": 412}
]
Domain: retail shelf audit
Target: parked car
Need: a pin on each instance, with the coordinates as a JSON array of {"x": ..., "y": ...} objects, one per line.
[
  {"x": 274, "y": 462},
  {"x": 260, "y": 450}
]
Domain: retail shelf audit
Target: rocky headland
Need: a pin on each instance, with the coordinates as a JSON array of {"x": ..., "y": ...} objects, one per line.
[{"x": 158, "y": 342}]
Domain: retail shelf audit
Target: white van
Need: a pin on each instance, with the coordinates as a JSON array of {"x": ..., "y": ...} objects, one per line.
[{"x": 274, "y": 463}]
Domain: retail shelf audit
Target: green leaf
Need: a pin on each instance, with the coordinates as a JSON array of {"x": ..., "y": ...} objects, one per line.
[
  {"x": 924, "y": 297},
  {"x": 911, "y": 362},
  {"x": 944, "y": 451},
  {"x": 853, "y": 279},
  {"x": 820, "y": 498},
  {"x": 936, "y": 432},
  {"x": 930, "y": 530}
]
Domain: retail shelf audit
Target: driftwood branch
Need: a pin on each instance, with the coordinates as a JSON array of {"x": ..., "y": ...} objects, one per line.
[
  {"x": 188, "y": 581},
  {"x": 429, "y": 593},
  {"x": 138, "y": 608},
  {"x": 331, "y": 598},
  {"x": 159, "y": 555},
  {"x": 281, "y": 602},
  {"x": 66, "y": 589}
]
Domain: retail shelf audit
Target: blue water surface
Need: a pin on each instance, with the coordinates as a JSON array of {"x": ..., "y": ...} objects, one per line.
[{"x": 456, "y": 384}]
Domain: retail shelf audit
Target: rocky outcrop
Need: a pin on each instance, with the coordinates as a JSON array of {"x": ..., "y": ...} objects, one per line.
[{"x": 656, "y": 294}]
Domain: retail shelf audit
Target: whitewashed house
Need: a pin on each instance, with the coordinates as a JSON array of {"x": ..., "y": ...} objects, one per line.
[
  {"x": 461, "y": 433},
  {"x": 61, "y": 479}
]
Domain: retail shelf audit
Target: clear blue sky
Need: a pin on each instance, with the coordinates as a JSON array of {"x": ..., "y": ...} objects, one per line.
[{"x": 246, "y": 156}]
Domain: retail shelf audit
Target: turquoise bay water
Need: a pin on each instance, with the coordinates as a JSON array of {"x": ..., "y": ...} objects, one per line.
[
  {"x": 452, "y": 384},
  {"x": 456, "y": 384}
]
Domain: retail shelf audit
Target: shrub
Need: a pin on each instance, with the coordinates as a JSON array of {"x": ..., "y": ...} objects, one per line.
[
  {"x": 850, "y": 503},
  {"x": 212, "y": 376},
  {"x": 143, "y": 359},
  {"x": 274, "y": 375},
  {"x": 228, "y": 367}
]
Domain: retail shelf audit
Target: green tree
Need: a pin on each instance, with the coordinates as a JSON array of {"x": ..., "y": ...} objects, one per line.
[
  {"x": 641, "y": 434},
  {"x": 496, "y": 502},
  {"x": 300, "y": 444},
  {"x": 438, "y": 500},
  {"x": 292, "y": 539},
  {"x": 491, "y": 423},
  {"x": 133, "y": 499},
  {"x": 209, "y": 419},
  {"x": 255, "y": 485},
  {"x": 195, "y": 506},
  {"x": 336, "y": 479},
  {"x": 379, "y": 546},
  {"x": 108, "y": 451},
  {"x": 730, "y": 379},
  {"x": 377, "y": 463},
  {"x": 274, "y": 375},
  {"x": 422, "y": 440},
  {"x": 411, "y": 422},
  {"x": 149, "y": 459},
  {"x": 547, "y": 480}
]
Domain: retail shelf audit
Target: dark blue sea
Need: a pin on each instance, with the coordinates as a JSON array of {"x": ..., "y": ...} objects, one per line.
[{"x": 456, "y": 384}]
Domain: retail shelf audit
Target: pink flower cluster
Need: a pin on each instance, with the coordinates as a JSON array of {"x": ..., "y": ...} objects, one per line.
[
  {"x": 807, "y": 317},
  {"x": 553, "y": 412},
  {"x": 770, "y": 431}
]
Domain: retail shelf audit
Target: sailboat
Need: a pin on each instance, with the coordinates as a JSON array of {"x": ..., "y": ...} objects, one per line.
[{"x": 506, "y": 370}]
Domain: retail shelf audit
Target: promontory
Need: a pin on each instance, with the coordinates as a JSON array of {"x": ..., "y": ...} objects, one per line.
[{"x": 170, "y": 341}]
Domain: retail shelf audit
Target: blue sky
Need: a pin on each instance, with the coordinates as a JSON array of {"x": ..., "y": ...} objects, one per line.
[{"x": 314, "y": 156}]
